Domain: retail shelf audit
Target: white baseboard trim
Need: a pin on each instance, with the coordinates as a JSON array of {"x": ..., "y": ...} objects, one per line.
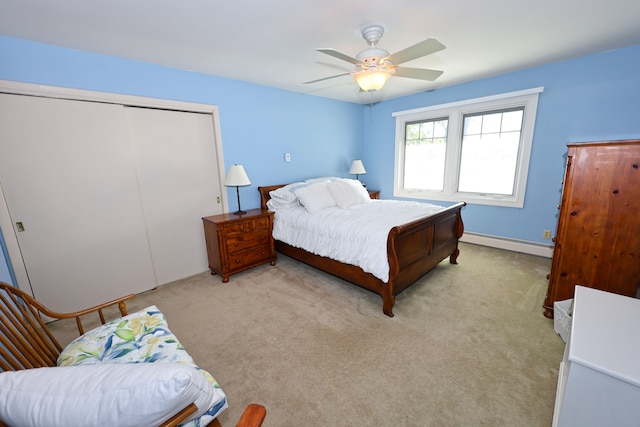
[{"x": 523, "y": 246}]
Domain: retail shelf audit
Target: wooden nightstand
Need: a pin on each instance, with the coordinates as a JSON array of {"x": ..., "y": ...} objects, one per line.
[
  {"x": 374, "y": 194},
  {"x": 238, "y": 242}
]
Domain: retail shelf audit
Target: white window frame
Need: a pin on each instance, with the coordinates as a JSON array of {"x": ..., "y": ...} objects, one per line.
[{"x": 455, "y": 113}]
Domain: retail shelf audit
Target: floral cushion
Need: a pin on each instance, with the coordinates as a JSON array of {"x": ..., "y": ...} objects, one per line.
[{"x": 143, "y": 336}]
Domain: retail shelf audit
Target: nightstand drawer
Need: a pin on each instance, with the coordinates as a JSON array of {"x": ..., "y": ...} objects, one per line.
[
  {"x": 254, "y": 256},
  {"x": 261, "y": 224},
  {"x": 247, "y": 226},
  {"x": 240, "y": 242}
]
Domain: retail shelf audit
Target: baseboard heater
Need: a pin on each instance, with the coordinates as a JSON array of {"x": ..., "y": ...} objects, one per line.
[{"x": 524, "y": 246}]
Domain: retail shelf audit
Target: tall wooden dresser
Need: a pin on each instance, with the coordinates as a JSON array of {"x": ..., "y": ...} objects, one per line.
[{"x": 597, "y": 243}]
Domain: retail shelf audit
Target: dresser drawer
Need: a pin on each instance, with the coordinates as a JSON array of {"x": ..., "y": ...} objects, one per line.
[
  {"x": 254, "y": 256},
  {"x": 239, "y": 242}
]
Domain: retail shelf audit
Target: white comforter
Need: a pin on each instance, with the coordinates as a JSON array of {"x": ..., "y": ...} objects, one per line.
[{"x": 356, "y": 236}]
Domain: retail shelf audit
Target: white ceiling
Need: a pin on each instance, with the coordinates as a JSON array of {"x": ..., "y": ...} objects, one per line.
[{"x": 272, "y": 42}]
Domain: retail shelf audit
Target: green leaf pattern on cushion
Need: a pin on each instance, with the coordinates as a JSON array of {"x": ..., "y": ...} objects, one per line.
[{"x": 125, "y": 334}]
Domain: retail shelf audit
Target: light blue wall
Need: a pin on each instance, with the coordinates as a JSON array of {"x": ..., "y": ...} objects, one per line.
[
  {"x": 589, "y": 98},
  {"x": 586, "y": 99},
  {"x": 259, "y": 124}
]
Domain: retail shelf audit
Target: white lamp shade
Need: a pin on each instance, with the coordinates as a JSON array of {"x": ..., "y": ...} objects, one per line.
[
  {"x": 236, "y": 177},
  {"x": 357, "y": 168},
  {"x": 370, "y": 80}
]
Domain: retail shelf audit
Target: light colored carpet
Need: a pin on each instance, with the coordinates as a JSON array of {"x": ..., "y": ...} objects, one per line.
[{"x": 468, "y": 345}]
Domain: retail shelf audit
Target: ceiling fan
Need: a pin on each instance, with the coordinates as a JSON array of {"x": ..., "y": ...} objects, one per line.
[{"x": 374, "y": 66}]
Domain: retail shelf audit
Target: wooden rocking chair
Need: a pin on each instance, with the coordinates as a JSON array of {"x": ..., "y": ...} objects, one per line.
[{"x": 27, "y": 343}]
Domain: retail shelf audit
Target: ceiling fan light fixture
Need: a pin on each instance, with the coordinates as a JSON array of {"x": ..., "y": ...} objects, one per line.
[
  {"x": 371, "y": 80},
  {"x": 374, "y": 66}
]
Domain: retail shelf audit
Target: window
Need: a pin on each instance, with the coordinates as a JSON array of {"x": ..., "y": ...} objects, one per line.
[{"x": 476, "y": 150}]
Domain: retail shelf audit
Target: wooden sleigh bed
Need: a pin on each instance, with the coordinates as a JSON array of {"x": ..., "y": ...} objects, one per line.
[{"x": 413, "y": 249}]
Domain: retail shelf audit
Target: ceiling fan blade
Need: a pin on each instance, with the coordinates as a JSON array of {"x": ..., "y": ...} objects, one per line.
[
  {"x": 423, "y": 48},
  {"x": 326, "y": 78},
  {"x": 336, "y": 54},
  {"x": 418, "y": 73},
  {"x": 344, "y": 68}
]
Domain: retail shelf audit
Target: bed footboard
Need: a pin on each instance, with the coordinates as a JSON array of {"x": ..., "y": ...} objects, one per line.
[{"x": 415, "y": 248}]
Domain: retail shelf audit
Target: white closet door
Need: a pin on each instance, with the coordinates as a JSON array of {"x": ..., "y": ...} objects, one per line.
[
  {"x": 175, "y": 158},
  {"x": 68, "y": 176}
]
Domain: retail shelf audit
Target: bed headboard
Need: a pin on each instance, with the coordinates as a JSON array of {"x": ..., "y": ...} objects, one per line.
[{"x": 265, "y": 196}]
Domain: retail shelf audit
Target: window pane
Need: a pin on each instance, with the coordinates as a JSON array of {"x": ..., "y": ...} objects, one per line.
[
  {"x": 488, "y": 160},
  {"x": 491, "y": 123},
  {"x": 412, "y": 131},
  {"x": 512, "y": 121},
  {"x": 424, "y": 158},
  {"x": 473, "y": 125},
  {"x": 440, "y": 128},
  {"x": 426, "y": 130}
]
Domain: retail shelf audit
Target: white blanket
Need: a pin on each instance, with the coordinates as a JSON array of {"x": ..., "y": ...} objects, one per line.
[{"x": 356, "y": 236}]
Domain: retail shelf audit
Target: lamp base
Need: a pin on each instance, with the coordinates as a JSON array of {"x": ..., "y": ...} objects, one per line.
[{"x": 239, "y": 211}]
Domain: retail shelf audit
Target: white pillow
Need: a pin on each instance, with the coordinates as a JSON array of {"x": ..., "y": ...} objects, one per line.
[
  {"x": 348, "y": 192},
  {"x": 277, "y": 204},
  {"x": 320, "y": 179},
  {"x": 294, "y": 185},
  {"x": 315, "y": 197},
  {"x": 131, "y": 394},
  {"x": 282, "y": 195}
]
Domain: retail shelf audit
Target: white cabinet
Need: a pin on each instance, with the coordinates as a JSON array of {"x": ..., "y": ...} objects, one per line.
[{"x": 599, "y": 381}]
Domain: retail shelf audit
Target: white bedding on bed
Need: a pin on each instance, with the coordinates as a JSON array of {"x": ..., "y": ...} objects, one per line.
[{"x": 356, "y": 236}]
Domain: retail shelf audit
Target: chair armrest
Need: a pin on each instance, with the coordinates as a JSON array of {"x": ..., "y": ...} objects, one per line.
[
  {"x": 253, "y": 416},
  {"x": 180, "y": 416},
  {"x": 97, "y": 309}
]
